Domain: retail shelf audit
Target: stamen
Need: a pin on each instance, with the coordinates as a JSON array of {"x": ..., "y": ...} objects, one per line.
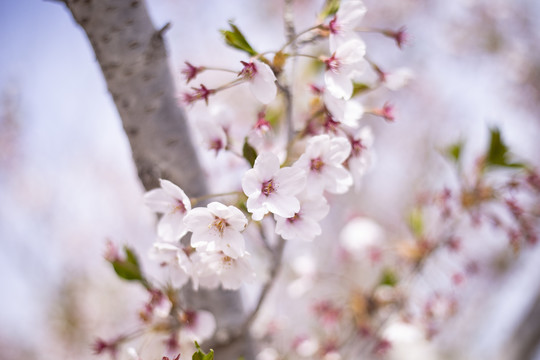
[
  {"x": 317, "y": 164},
  {"x": 268, "y": 187}
]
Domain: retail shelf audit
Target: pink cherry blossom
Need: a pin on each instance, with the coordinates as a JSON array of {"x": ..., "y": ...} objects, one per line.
[
  {"x": 362, "y": 156},
  {"x": 217, "y": 228},
  {"x": 196, "y": 326},
  {"x": 261, "y": 78},
  {"x": 173, "y": 203},
  {"x": 271, "y": 189},
  {"x": 216, "y": 268},
  {"x": 304, "y": 225},
  {"x": 347, "y": 112},
  {"x": 345, "y": 63},
  {"x": 174, "y": 260},
  {"x": 323, "y": 162},
  {"x": 212, "y": 134},
  {"x": 342, "y": 26}
]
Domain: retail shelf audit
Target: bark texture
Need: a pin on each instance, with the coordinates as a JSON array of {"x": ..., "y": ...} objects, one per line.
[{"x": 132, "y": 55}]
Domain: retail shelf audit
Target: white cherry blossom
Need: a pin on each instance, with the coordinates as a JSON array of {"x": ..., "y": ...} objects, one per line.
[
  {"x": 398, "y": 78},
  {"x": 347, "y": 112},
  {"x": 362, "y": 156},
  {"x": 342, "y": 26},
  {"x": 212, "y": 134},
  {"x": 174, "y": 260},
  {"x": 345, "y": 63},
  {"x": 173, "y": 203},
  {"x": 196, "y": 326},
  {"x": 304, "y": 225},
  {"x": 216, "y": 268},
  {"x": 261, "y": 78},
  {"x": 271, "y": 189},
  {"x": 323, "y": 162},
  {"x": 217, "y": 228}
]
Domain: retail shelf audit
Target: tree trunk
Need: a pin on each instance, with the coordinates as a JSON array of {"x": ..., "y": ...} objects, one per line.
[{"x": 133, "y": 58}]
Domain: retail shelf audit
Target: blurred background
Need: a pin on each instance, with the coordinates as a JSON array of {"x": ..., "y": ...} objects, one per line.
[{"x": 68, "y": 183}]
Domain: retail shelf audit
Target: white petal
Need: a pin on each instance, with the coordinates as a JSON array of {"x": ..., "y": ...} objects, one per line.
[
  {"x": 175, "y": 192},
  {"x": 281, "y": 205},
  {"x": 266, "y": 165},
  {"x": 340, "y": 150},
  {"x": 290, "y": 180},
  {"x": 338, "y": 84},
  {"x": 171, "y": 226},
  {"x": 251, "y": 185},
  {"x": 158, "y": 201},
  {"x": 198, "y": 219},
  {"x": 263, "y": 85}
]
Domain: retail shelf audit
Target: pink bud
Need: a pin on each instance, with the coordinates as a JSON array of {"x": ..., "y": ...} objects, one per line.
[{"x": 190, "y": 72}]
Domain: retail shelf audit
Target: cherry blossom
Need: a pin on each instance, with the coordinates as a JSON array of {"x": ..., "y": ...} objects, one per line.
[
  {"x": 271, "y": 189},
  {"x": 213, "y": 135},
  {"x": 342, "y": 26},
  {"x": 362, "y": 156},
  {"x": 347, "y": 112},
  {"x": 216, "y": 268},
  {"x": 347, "y": 61},
  {"x": 174, "y": 259},
  {"x": 217, "y": 228},
  {"x": 196, "y": 326},
  {"x": 173, "y": 203},
  {"x": 304, "y": 225},
  {"x": 323, "y": 162},
  {"x": 261, "y": 80}
]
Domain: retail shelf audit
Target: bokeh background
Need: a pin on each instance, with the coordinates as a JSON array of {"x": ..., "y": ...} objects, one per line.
[{"x": 68, "y": 183}]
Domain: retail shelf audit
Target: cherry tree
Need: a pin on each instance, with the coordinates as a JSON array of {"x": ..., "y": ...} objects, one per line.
[{"x": 292, "y": 167}]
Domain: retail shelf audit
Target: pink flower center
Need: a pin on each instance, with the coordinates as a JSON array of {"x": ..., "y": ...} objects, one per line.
[
  {"x": 293, "y": 219},
  {"x": 316, "y": 164},
  {"x": 357, "y": 147},
  {"x": 268, "y": 187},
  {"x": 179, "y": 207},
  {"x": 333, "y": 64},
  {"x": 333, "y": 26},
  {"x": 249, "y": 70}
]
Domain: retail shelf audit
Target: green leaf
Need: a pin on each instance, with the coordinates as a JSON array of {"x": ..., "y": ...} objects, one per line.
[
  {"x": 236, "y": 39},
  {"x": 497, "y": 154},
  {"x": 389, "y": 278},
  {"x": 359, "y": 88},
  {"x": 128, "y": 268},
  {"x": 249, "y": 153},
  {"x": 200, "y": 355},
  {"x": 454, "y": 151},
  {"x": 330, "y": 8}
]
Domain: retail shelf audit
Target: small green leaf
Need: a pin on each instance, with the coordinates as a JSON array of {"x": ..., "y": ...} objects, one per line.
[
  {"x": 389, "y": 278},
  {"x": 416, "y": 222},
  {"x": 236, "y": 39},
  {"x": 330, "y": 8},
  {"x": 497, "y": 154},
  {"x": 128, "y": 268},
  {"x": 454, "y": 151},
  {"x": 200, "y": 355},
  {"x": 359, "y": 88},
  {"x": 249, "y": 153}
]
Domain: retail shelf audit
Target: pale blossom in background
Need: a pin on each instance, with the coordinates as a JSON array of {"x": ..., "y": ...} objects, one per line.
[
  {"x": 360, "y": 236},
  {"x": 212, "y": 134},
  {"x": 398, "y": 78},
  {"x": 173, "y": 203},
  {"x": 196, "y": 326}
]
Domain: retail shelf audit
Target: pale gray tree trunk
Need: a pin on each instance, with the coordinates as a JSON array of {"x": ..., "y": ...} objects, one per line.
[{"x": 133, "y": 58}]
